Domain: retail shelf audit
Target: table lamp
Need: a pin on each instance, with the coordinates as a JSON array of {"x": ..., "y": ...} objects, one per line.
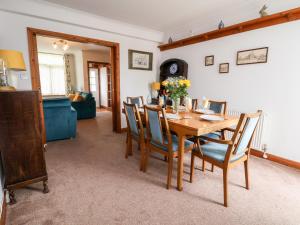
[
  {"x": 9, "y": 60},
  {"x": 155, "y": 86}
]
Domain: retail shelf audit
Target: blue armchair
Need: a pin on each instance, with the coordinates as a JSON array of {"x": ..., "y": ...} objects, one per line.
[{"x": 60, "y": 118}]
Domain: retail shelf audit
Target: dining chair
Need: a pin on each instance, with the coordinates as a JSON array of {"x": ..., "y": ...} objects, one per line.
[
  {"x": 194, "y": 103},
  {"x": 227, "y": 154},
  {"x": 135, "y": 130},
  {"x": 160, "y": 139},
  {"x": 219, "y": 107},
  {"x": 139, "y": 101}
]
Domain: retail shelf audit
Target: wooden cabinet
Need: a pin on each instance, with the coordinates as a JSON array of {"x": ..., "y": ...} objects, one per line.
[{"x": 21, "y": 147}]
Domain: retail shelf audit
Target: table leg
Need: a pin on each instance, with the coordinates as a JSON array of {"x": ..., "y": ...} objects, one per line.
[{"x": 181, "y": 139}]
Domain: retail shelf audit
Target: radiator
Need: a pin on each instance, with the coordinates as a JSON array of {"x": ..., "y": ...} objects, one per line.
[{"x": 257, "y": 138}]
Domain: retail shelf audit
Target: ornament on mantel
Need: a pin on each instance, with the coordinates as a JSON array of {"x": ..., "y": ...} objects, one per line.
[
  {"x": 263, "y": 11},
  {"x": 170, "y": 41},
  {"x": 221, "y": 25}
]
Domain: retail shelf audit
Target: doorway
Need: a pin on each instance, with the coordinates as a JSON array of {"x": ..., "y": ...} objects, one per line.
[
  {"x": 100, "y": 84},
  {"x": 32, "y": 34}
]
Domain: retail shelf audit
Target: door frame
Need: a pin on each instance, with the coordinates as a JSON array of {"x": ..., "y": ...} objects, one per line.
[{"x": 32, "y": 33}]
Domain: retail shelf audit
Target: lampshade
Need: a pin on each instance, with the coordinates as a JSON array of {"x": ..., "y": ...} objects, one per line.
[
  {"x": 155, "y": 86},
  {"x": 14, "y": 59}
]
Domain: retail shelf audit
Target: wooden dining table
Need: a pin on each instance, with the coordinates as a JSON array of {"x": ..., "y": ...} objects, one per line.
[{"x": 190, "y": 124}]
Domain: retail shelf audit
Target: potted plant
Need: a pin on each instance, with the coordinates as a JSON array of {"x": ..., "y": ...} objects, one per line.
[{"x": 176, "y": 88}]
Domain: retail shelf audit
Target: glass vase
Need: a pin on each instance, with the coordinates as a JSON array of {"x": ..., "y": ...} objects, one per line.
[{"x": 175, "y": 104}]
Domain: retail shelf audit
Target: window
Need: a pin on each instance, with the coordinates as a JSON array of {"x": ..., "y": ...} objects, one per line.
[{"x": 52, "y": 74}]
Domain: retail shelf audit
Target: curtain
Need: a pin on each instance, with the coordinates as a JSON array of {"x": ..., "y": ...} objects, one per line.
[{"x": 70, "y": 76}]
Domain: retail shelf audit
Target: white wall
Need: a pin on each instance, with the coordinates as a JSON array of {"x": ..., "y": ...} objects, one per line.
[
  {"x": 272, "y": 87},
  {"x": 133, "y": 82}
]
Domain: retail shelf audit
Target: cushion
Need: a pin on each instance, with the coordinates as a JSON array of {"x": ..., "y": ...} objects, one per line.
[
  {"x": 187, "y": 143},
  {"x": 218, "y": 152},
  {"x": 214, "y": 135},
  {"x": 71, "y": 96},
  {"x": 78, "y": 98}
]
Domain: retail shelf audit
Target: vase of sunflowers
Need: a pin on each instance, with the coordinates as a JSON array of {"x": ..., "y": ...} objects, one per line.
[{"x": 176, "y": 88}]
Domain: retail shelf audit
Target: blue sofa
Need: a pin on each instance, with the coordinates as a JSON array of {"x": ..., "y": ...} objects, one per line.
[
  {"x": 86, "y": 109},
  {"x": 60, "y": 118}
]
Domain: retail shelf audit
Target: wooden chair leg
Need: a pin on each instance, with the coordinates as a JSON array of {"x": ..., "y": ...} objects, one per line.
[
  {"x": 212, "y": 167},
  {"x": 170, "y": 170},
  {"x": 142, "y": 146},
  {"x": 225, "y": 184},
  {"x": 246, "y": 174},
  {"x": 192, "y": 167},
  {"x": 128, "y": 146},
  {"x": 203, "y": 165},
  {"x": 145, "y": 164}
]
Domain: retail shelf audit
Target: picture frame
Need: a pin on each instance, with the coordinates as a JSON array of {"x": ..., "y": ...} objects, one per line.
[
  {"x": 209, "y": 60},
  {"x": 252, "y": 56},
  {"x": 140, "y": 60},
  {"x": 224, "y": 68}
]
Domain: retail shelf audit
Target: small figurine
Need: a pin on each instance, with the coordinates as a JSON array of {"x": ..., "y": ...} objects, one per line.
[
  {"x": 221, "y": 25},
  {"x": 263, "y": 12},
  {"x": 170, "y": 41}
]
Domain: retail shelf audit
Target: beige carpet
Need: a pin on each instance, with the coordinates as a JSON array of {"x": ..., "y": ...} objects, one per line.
[{"x": 91, "y": 183}]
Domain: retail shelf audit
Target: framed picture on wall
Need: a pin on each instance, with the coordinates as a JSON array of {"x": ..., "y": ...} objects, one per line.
[
  {"x": 224, "y": 68},
  {"x": 138, "y": 60},
  {"x": 252, "y": 56},
  {"x": 209, "y": 60}
]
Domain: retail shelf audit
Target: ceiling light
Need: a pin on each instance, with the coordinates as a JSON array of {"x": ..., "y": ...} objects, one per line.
[
  {"x": 54, "y": 45},
  {"x": 65, "y": 47},
  {"x": 61, "y": 44}
]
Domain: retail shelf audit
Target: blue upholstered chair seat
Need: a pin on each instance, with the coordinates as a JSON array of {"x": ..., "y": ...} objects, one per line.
[
  {"x": 187, "y": 143},
  {"x": 218, "y": 152},
  {"x": 214, "y": 135}
]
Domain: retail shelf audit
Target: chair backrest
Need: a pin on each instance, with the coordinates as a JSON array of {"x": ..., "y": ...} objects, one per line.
[
  {"x": 139, "y": 100},
  {"x": 218, "y": 106},
  {"x": 195, "y": 103},
  {"x": 242, "y": 138},
  {"x": 154, "y": 125},
  {"x": 133, "y": 118}
]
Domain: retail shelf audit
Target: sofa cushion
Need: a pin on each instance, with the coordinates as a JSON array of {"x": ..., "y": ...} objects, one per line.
[
  {"x": 78, "y": 98},
  {"x": 71, "y": 96}
]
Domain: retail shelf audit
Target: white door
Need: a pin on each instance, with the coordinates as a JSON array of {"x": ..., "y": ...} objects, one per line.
[{"x": 94, "y": 84}]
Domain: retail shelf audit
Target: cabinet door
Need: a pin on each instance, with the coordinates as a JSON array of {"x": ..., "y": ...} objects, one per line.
[{"x": 21, "y": 138}]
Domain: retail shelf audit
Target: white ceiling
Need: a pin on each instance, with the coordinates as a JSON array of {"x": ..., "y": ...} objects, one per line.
[
  {"x": 164, "y": 15},
  {"x": 45, "y": 45}
]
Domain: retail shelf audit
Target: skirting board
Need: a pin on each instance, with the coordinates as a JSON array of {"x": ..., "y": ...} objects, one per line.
[
  {"x": 123, "y": 130},
  {"x": 257, "y": 153},
  {"x": 276, "y": 159},
  {"x": 3, "y": 213}
]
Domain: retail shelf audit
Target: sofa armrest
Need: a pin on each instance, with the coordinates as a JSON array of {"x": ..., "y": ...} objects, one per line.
[{"x": 73, "y": 122}]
